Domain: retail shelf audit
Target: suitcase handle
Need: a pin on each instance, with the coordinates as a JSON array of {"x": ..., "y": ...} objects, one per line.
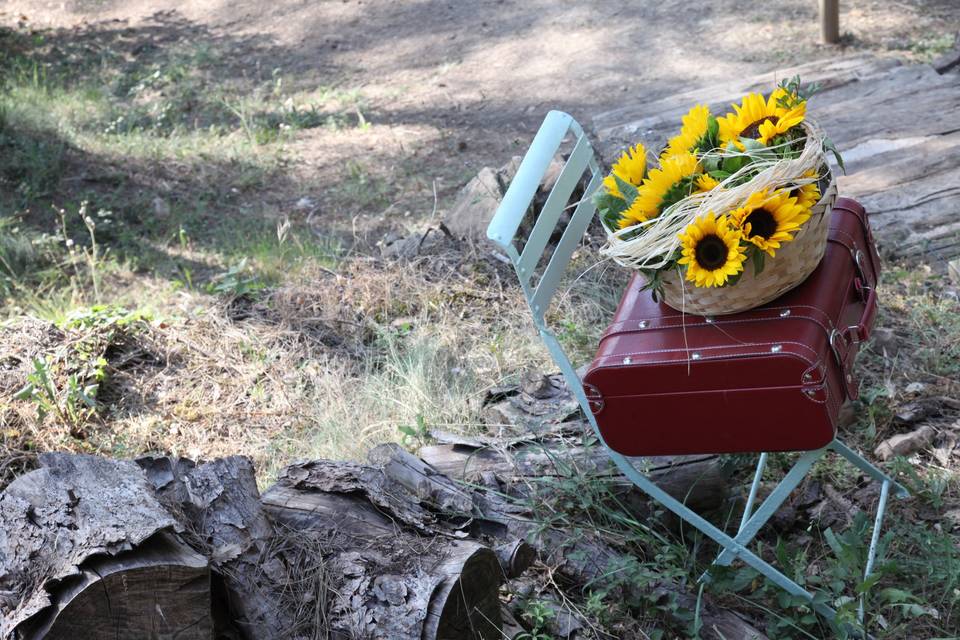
[{"x": 860, "y": 332}]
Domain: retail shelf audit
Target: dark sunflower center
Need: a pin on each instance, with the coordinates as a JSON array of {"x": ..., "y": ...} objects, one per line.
[
  {"x": 762, "y": 223},
  {"x": 711, "y": 253},
  {"x": 753, "y": 130}
]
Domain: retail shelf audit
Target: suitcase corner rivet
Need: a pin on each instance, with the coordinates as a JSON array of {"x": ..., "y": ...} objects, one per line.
[
  {"x": 642, "y": 324},
  {"x": 807, "y": 377},
  {"x": 694, "y": 356},
  {"x": 849, "y": 378},
  {"x": 627, "y": 361},
  {"x": 785, "y": 313},
  {"x": 777, "y": 348},
  {"x": 810, "y": 392}
]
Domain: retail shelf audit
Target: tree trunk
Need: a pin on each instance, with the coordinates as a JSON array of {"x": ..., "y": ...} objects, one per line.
[
  {"x": 161, "y": 589},
  {"x": 219, "y": 503},
  {"x": 385, "y": 579},
  {"x": 87, "y": 551},
  {"x": 698, "y": 481}
]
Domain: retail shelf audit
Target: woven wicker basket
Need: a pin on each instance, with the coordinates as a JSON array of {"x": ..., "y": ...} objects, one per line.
[{"x": 791, "y": 266}]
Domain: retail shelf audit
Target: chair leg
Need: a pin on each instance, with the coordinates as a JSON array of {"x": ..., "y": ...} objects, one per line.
[
  {"x": 752, "y": 497},
  {"x": 859, "y": 462},
  {"x": 716, "y": 534},
  {"x": 874, "y": 540},
  {"x": 753, "y": 523}
]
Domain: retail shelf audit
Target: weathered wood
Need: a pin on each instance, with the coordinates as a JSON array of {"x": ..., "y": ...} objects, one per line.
[
  {"x": 159, "y": 590},
  {"x": 911, "y": 195},
  {"x": 220, "y": 503},
  {"x": 515, "y": 557},
  {"x": 718, "y": 623},
  {"x": 700, "y": 481},
  {"x": 83, "y": 534},
  {"x": 640, "y": 119},
  {"x": 830, "y": 21},
  {"x": 388, "y": 580}
]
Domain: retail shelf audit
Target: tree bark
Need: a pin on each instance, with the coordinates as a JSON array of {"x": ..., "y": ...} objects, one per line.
[
  {"x": 385, "y": 578},
  {"x": 698, "y": 481},
  {"x": 87, "y": 551},
  {"x": 219, "y": 504}
]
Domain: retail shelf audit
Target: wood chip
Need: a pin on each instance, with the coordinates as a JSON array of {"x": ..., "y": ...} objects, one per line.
[{"x": 905, "y": 443}]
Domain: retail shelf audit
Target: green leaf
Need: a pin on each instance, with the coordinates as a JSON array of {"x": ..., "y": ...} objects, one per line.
[
  {"x": 832, "y": 148},
  {"x": 711, "y": 163},
  {"x": 732, "y": 164},
  {"x": 713, "y": 128},
  {"x": 734, "y": 279},
  {"x": 628, "y": 191},
  {"x": 26, "y": 392},
  {"x": 759, "y": 260},
  {"x": 831, "y": 538}
]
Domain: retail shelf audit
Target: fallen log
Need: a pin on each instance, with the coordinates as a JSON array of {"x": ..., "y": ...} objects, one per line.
[
  {"x": 87, "y": 551},
  {"x": 701, "y": 482},
  {"x": 387, "y": 579},
  {"x": 218, "y": 503},
  {"x": 581, "y": 558}
]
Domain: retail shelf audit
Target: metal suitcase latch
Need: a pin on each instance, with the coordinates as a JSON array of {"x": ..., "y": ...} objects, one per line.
[{"x": 594, "y": 397}]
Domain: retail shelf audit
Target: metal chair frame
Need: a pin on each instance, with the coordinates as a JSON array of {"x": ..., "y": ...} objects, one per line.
[{"x": 503, "y": 230}]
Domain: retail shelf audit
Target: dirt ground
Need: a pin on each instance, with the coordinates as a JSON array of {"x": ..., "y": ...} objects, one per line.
[{"x": 450, "y": 87}]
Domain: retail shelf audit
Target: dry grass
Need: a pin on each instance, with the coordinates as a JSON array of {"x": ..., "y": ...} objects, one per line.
[{"x": 327, "y": 364}]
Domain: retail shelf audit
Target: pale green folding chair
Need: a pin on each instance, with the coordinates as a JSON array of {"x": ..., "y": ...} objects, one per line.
[{"x": 539, "y": 291}]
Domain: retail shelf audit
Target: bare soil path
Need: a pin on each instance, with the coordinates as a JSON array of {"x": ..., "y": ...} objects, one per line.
[{"x": 452, "y": 86}]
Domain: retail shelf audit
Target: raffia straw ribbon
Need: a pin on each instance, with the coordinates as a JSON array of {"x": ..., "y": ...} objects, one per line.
[{"x": 653, "y": 248}]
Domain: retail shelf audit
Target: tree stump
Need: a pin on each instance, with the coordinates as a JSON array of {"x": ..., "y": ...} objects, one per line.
[
  {"x": 386, "y": 579},
  {"x": 219, "y": 504},
  {"x": 86, "y": 551}
]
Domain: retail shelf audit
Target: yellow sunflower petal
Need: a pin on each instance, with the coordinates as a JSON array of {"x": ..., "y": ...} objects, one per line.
[
  {"x": 610, "y": 184},
  {"x": 633, "y": 215},
  {"x": 630, "y": 167},
  {"x": 694, "y": 127},
  {"x": 756, "y": 117},
  {"x": 808, "y": 194},
  {"x": 707, "y": 182},
  {"x": 661, "y": 180}
]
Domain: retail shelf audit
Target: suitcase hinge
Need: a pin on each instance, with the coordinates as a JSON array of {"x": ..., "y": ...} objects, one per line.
[{"x": 594, "y": 397}]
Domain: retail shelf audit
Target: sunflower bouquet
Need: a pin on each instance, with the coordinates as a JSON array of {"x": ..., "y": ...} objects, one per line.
[{"x": 736, "y": 210}]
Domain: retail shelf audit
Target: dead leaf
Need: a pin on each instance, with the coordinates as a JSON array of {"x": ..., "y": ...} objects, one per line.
[
  {"x": 225, "y": 553},
  {"x": 914, "y": 388},
  {"x": 904, "y": 444},
  {"x": 945, "y": 449}
]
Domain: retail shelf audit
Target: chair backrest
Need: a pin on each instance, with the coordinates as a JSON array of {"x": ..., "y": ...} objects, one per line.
[
  {"x": 516, "y": 202},
  {"x": 506, "y": 223}
]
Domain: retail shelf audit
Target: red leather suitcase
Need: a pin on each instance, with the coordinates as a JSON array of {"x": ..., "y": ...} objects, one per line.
[{"x": 769, "y": 379}]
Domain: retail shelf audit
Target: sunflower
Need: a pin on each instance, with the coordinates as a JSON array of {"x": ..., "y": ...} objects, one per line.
[
  {"x": 808, "y": 194},
  {"x": 711, "y": 251},
  {"x": 706, "y": 182},
  {"x": 665, "y": 185},
  {"x": 768, "y": 220},
  {"x": 692, "y": 133},
  {"x": 630, "y": 168},
  {"x": 760, "y": 119}
]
